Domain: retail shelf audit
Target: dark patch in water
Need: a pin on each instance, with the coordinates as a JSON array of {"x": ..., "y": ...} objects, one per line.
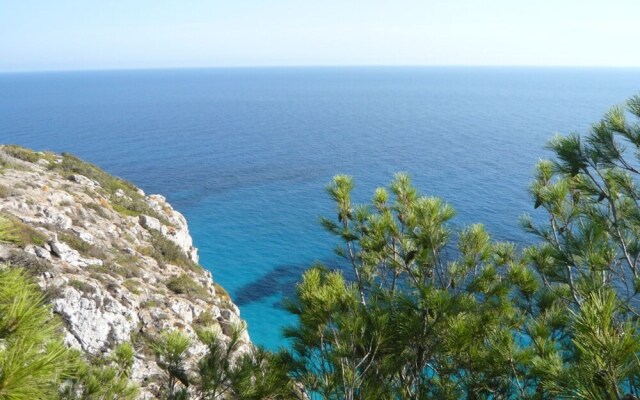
[{"x": 281, "y": 281}]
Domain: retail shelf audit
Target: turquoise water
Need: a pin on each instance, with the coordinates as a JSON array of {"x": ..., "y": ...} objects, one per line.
[{"x": 245, "y": 153}]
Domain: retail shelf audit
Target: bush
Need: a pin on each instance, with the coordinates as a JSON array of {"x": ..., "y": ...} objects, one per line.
[
  {"x": 132, "y": 285},
  {"x": 205, "y": 319},
  {"x": 82, "y": 286},
  {"x": 21, "y": 153},
  {"x": 13, "y": 230},
  {"x": 221, "y": 292},
  {"x": 184, "y": 284},
  {"x": 166, "y": 251}
]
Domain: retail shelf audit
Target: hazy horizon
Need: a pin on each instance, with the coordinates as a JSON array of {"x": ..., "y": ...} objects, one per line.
[
  {"x": 92, "y": 35},
  {"x": 187, "y": 68}
]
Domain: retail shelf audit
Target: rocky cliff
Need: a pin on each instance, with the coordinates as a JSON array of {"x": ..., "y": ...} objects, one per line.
[{"x": 116, "y": 264}]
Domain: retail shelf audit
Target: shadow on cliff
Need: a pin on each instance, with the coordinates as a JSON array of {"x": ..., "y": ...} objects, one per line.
[{"x": 281, "y": 281}]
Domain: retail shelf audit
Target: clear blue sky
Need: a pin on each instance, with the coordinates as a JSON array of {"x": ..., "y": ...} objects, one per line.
[{"x": 105, "y": 34}]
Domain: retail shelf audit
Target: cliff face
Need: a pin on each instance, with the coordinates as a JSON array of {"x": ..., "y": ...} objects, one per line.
[{"x": 116, "y": 264}]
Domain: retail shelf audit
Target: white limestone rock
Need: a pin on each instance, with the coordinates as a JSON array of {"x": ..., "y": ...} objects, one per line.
[
  {"x": 56, "y": 218},
  {"x": 83, "y": 180},
  {"x": 71, "y": 256},
  {"x": 97, "y": 322},
  {"x": 148, "y": 222}
]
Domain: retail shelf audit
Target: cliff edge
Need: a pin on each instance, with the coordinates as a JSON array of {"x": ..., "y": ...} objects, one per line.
[{"x": 117, "y": 265}]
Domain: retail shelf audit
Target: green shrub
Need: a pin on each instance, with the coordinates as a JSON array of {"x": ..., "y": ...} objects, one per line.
[
  {"x": 102, "y": 377},
  {"x": 149, "y": 304},
  {"x": 8, "y": 231},
  {"x": 221, "y": 292},
  {"x": 184, "y": 284},
  {"x": 108, "y": 268},
  {"x": 21, "y": 153},
  {"x": 127, "y": 260},
  {"x": 132, "y": 285},
  {"x": 82, "y": 286},
  {"x": 132, "y": 204},
  {"x": 166, "y": 251},
  {"x": 146, "y": 251},
  {"x": 205, "y": 319},
  {"x": 13, "y": 230},
  {"x": 74, "y": 242}
]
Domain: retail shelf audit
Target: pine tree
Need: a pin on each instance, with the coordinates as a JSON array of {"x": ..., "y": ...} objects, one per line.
[
  {"x": 33, "y": 359},
  {"x": 105, "y": 378},
  {"x": 171, "y": 354},
  {"x": 415, "y": 322},
  {"x": 588, "y": 261}
]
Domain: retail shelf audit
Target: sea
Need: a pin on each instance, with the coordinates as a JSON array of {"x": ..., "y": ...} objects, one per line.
[{"x": 246, "y": 153}]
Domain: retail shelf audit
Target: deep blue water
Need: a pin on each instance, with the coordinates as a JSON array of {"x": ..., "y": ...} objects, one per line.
[{"x": 245, "y": 153}]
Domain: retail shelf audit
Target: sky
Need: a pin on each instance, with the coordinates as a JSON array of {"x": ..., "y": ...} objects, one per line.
[{"x": 126, "y": 34}]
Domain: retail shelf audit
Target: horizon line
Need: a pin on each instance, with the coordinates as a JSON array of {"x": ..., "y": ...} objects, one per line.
[{"x": 318, "y": 66}]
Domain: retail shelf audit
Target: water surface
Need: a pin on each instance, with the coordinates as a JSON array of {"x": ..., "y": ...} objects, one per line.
[{"x": 245, "y": 153}]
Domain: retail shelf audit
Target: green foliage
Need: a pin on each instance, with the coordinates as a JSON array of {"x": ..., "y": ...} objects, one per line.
[
  {"x": 414, "y": 322},
  {"x": 184, "y": 284},
  {"x": 12, "y": 230},
  {"x": 258, "y": 374},
  {"x": 171, "y": 353},
  {"x": 221, "y": 292},
  {"x": 82, "y": 286},
  {"x": 131, "y": 204},
  {"x": 33, "y": 359},
  {"x": 215, "y": 368},
  {"x": 135, "y": 207},
  {"x": 261, "y": 375},
  {"x": 8, "y": 231},
  {"x": 21, "y": 153},
  {"x": 588, "y": 259},
  {"x": 132, "y": 285},
  {"x": 104, "y": 378},
  {"x": 166, "y": 251},
  {"x": 70, "y": 164}
]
